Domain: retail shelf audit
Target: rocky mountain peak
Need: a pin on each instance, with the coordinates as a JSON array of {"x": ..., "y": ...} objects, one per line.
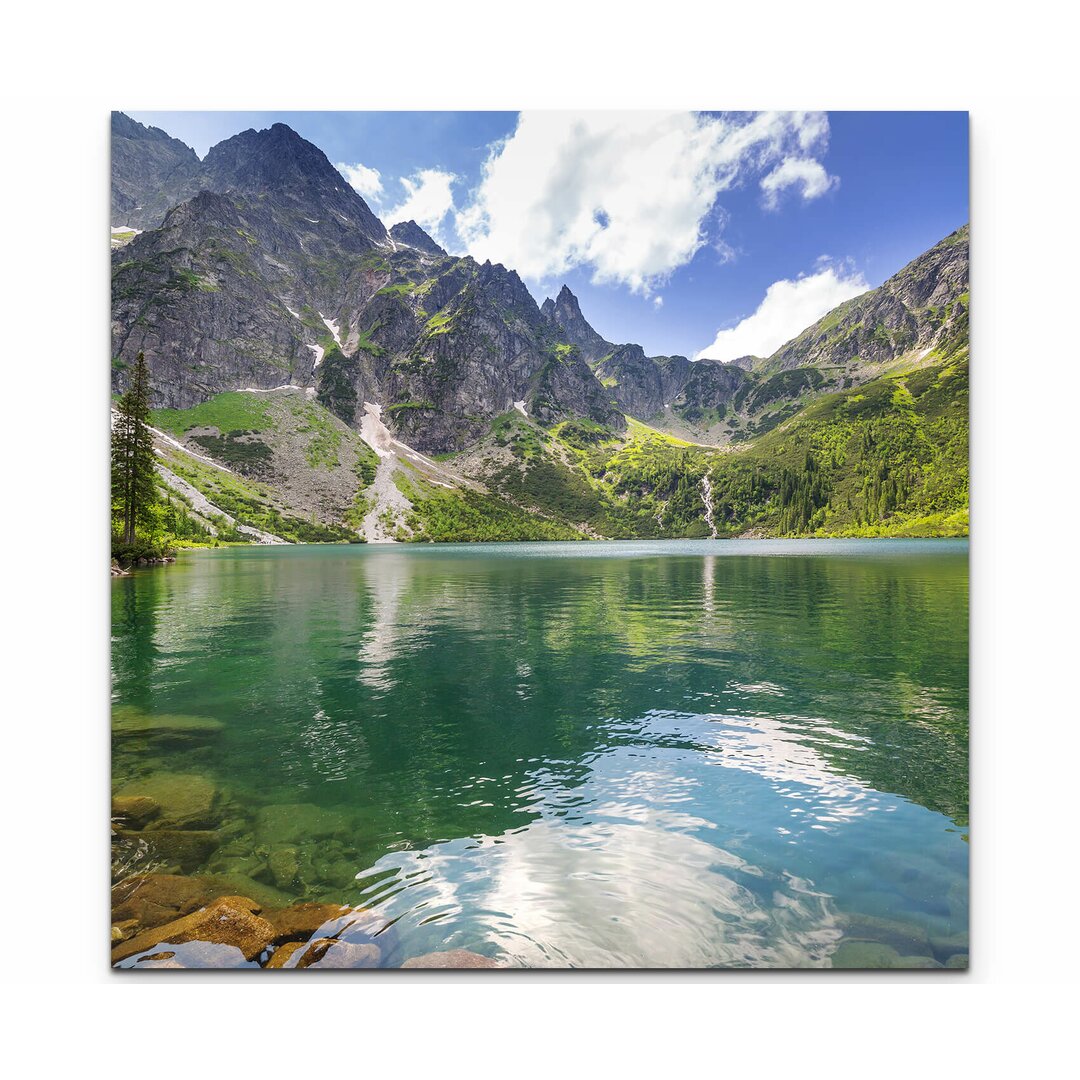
[
  {"x": 279, "y": 162},
  {"x": 151, "y": 173},
  {"x": 565, "y": 312},
  {"x": 411, "y": 235},
  {"x": 922, "y": 310}
]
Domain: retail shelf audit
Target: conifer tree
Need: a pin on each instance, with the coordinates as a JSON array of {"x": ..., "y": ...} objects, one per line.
[{"x": 133, "y": 490}]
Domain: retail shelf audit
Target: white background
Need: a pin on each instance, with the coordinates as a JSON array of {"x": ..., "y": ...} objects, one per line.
[{"x": 65, "y": 67}]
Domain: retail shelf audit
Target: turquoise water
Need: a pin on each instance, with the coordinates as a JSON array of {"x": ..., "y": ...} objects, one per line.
[{"x": 682, "y": 754}]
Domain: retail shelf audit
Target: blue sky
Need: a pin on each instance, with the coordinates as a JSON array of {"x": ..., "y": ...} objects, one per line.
[{"x": 701, "y": 234}]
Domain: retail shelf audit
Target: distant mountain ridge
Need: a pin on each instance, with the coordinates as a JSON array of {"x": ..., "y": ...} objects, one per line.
[{"x": 920, "y": 309}]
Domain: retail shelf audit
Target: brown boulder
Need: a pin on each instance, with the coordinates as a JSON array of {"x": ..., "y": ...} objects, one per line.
[
  {"x": 153, "y": 899},
  {"x": 451, "y": 958},
  {"x": 327, "y": 953},
  {"x": 121, "y": 931},
  {"x": 228, "y": 921},
  {"x": 283, "y": 953},
  {"x": 299, "y": 922}
]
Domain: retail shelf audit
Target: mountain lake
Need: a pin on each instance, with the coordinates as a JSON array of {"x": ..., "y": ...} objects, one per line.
[{"x": 733, "y": 753}]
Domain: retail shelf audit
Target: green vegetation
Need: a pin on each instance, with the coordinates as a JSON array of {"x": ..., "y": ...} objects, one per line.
[
  {"x": 337, "y": 383},
  {"x": 463, "y": 516},
  {"x": 525, "y": 440},
  {"x": 364, "y": 342},
  {"x": 889, "y": 460},
  {"x": 252, "y": 503},
  {"x": 233, "y": 412},
  {"x": 148, "y": 521},
  {"x": 582, "y": 433},
  {"x": 324, "y": 443},
  {"x": 439, "y": 323},
  {"x": 239, "y": 451}
]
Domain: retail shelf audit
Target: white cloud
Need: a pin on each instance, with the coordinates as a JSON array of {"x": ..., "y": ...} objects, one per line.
[
  {"x": 788, "y": 308},
  {"x": 428, "y": 199},
  {"x": 627, "y": 194},
  {"x": 794, "y": 172},
  {"x": 658, "y": 302},
  {"x": 366, "y": 182}
]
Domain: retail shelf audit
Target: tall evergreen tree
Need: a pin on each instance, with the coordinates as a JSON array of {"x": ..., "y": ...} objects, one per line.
[{"x": 133, "y": 490}]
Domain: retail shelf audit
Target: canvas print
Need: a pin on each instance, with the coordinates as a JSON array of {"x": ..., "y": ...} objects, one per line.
[{"x": 539, "y": 540}]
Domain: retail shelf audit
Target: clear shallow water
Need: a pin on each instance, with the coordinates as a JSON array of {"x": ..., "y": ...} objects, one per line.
[{"x": 615, "y": 754}]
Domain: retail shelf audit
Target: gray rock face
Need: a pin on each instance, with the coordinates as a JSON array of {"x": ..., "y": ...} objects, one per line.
[
  {"x": 410, "y": 234},
  {"x": 287, "y": 278},
  {"x": 745, "y": 362},
  {"x": 645, "y": 386},
  {"x": 205, "y": 304},
  {"x": 299, "y": 176},
  {"x": 708, "y": 385},
  {"x": 922, "y": 307},
  {"x": 456, "y": 349},
  {"x": 565, "y": 313},
  {"x": 634, "y": 379},
  {"x": 151, "y": 173}
]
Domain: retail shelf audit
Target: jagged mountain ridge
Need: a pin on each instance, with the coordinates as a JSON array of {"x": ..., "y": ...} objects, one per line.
[
  {"x": 916, "y": 316},
  {"x": 284, "y": 276}
]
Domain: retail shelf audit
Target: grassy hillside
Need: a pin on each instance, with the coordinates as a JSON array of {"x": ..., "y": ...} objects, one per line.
[{"x": 889, "y": 459}]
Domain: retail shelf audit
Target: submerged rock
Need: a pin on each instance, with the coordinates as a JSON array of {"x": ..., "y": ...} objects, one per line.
[
  {"x": 284, "y": 866},
  {"x": 864, "y": 955},
  {"x": 230, "y": 920},
  {"x": 904, "y": 937},
  {"x": 129, "y": 722},
  {"x": 451, "y": 958},
  {"x": 187, "y": 800},
  {"x": 266, "y": 895},
  {"x": 327, "y": 953},
  {"x": 299, "y": 922},
  {"x": 298, "y": 823},
  {"x": 134, "y": 811},
  {"x": 948, "y": 945},
  {"x": 187, "y": 849}
]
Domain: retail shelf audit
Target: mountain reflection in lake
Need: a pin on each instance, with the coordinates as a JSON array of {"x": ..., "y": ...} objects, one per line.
[{"x": 700, "y": 753}]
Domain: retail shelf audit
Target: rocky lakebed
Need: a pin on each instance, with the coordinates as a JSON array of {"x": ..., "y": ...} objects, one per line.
[
  {"x": 203, "y": 880},
  {"x": 208, "y": 877}
]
